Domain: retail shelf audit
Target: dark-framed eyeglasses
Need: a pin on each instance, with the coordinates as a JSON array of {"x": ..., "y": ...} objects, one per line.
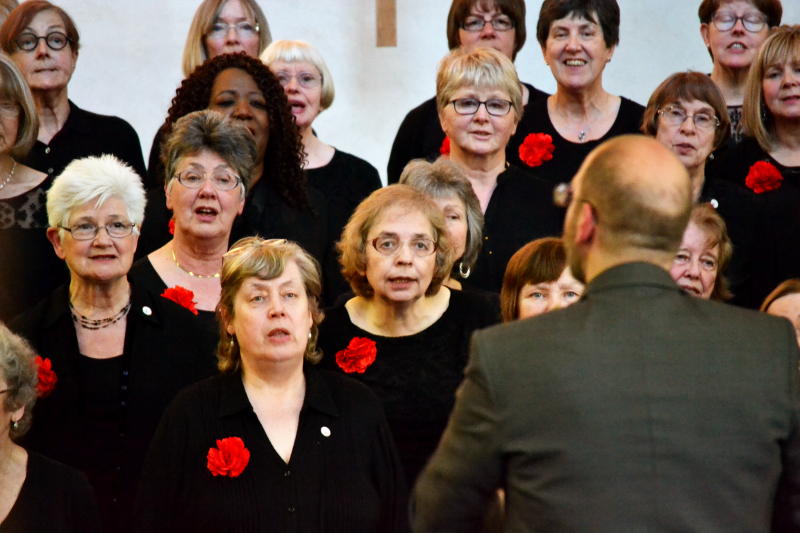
[
  {"x": 474, "y": 23},
  {"x": 220, "y": 180},
  {"x": 389, "y": 245},
  {"x": 752, "y": 22},
  {"x": 497, "y": 107},
  {"x": 86, "y": 231},
  {"x": 245, "y": 29},
  {"x": 55, "y": 40},
  {"x": 675, "y": 115}
]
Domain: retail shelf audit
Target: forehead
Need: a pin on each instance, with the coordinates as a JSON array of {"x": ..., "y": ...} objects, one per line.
[
  {"x": 293, "y": 66},
  {"x": 696, "y": 237},
  {"x": 402, "y": 220},
  {"x": 450, "y": 201},
  {"x": 46, "y": 19},
  {"x": 234, "y": 9},
  {"x": 786, "y": 305},
  {"x": 203, "y": 158},
  {"x": 232, "y": 79},
  {"x": 290, "y": 276},
  {"x": 692, "y": 105},
  {"x": 573, "y": 19},
  {"x": 113, "y": 206},
  {"x": 480, "y": 7},
  {"x": 737, "y": 5}
]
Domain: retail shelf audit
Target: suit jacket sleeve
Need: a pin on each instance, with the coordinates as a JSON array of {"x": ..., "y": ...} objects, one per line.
[{"x": 453, "y": 491}]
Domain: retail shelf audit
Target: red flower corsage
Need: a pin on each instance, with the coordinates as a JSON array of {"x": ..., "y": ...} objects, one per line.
[
  {"x": 171, "y": 226},
  {"x": 181, "y": 296},
  {"x": 444, "y": 149},
  {"x": 358, "y": 355},
  {"x": 763, "y": 176},
  {"x": 47, "y": 378},
  {"x": 536, "y": 149},
  {"x": 229, "y": 458}
]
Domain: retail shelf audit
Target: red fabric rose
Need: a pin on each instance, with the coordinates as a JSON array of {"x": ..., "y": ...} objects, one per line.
[
  {"x": 444, "y": 149},
  {"x": 763, "y": 176},
  {"x": 47, "y": 378},
  {"x": 229, "y": 458},
  {"x": 171, "y": 226},
  {"x": 358, "y": 355},
  {"x": 180, "y": 296},
  {"x": 536, "y": 149}
]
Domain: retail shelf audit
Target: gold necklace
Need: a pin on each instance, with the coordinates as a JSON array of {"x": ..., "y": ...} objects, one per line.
[{"x": 200, "y": 276}]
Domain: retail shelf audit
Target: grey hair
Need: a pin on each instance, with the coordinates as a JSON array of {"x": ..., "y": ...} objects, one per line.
[
  {"x": 302, "y": 52},
  {"x": 18, "y": 369},
  {"x": 95, "y": 178},
  {"x": 212, "y": 131},
  {"x": 445, "y": 179}
]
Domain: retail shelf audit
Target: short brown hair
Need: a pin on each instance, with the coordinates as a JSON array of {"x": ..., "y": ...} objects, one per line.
[
  {"x": 194, "y": 51},
  {"x": 445, "y": 179},
  {"x": 790, "y": 286},
  {"x": 22, "y": 15},
  {"x": 353, "y": 246},
  {"x": 539, "y": 261},
  {"x": 460, "y": 10},
  {"x": 707, "y": 219},
  {"x": 782, "y": 46},
  {"x": 254, "y": 257},
  {"x": 687, "y": 86},
  {"x": 479, "y": 67},
  {"x": 19, "y": 372},
  {"x": 604, "y": 13},
  {"x": 771, "y": 8}
]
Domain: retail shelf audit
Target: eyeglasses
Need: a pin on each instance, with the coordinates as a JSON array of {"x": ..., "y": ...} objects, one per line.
[
  {"x": 304, "y": 79},
  {"x": 245, "y": 29},
  {"x": 494, "y": 106},
  {"x": 55, "y": 40},
  {"x": 476, "y": 24},
  {"x": 221, "y": 180},
  {"x": 675, "y": 116},
  {"x": 562, "y": 195},
  {"x": 86, "y": 231},
  {"x": 389, "y": 245},
  {"x": 753, "y": 22}
]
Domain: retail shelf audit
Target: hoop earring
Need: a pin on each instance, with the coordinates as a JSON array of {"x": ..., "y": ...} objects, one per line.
[{"x": 461, "y": 271}]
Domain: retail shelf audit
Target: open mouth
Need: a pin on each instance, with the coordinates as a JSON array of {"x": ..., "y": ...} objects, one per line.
[
  {"x": 575, "y": 62},
  {"x": 278, "y": 333},
  {"x": 103, "y": 257},
  {"x": 297, "y": 107},
  {"x": 737, "y": 46}
]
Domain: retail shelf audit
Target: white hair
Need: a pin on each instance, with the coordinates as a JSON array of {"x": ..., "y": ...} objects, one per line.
[
  {"x": 301, "y": 52},
  {"x": 95, "y": 178}
]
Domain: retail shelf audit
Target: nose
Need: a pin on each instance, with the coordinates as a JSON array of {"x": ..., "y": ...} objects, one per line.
[
  {"x": 232, "y": 35},
  {"x": 292, "y": 84},
  {"x": 573, "y": 43},
  {"x": 102, "y": 238},
  {"x": 242, "y": 110},
  {"x": 404, "y": 254},
  {"x": 693, "y": 269},
  {"x": 738, "y": 26},
  {"x": 488, "y": 31},
  {"x": 41, "y": 48},
  {"x": 482, "y": 114},
  {"x": 276, "y": 308},
  {"x": 687, "y": 126},
  {"x": 207, "y": 189}
]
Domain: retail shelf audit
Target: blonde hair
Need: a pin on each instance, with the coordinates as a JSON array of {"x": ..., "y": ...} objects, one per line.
[
  {"x": 254, "y": 257},
  {"x": 302, "y": 52},
  {"x": 14, "y": 87}
]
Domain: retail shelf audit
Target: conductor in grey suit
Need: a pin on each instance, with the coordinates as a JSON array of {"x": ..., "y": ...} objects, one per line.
[{"x": 639, "y": 408}]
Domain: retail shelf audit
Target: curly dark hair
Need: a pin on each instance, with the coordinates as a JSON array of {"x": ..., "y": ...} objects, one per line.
[{"x": 283, "y": 160}]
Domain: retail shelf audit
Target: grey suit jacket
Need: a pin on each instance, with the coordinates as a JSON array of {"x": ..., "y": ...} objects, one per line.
[{"x": 638, "y": 409}]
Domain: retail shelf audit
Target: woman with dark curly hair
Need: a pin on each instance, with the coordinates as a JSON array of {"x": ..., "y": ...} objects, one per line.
[{"x": 278, "y": 203}]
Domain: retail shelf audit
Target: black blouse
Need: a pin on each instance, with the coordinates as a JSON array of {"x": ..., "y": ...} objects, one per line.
[
  {"x": 343, "y": 474},
  {"x": 79, "y": 425},
  {"x": 84, "y": 134},
  {"x": 568, "y": 156},
  {"x": 54, "y": 498},
  {"x": 420, "y": 134},
  {"x": 415, "y": 376}
]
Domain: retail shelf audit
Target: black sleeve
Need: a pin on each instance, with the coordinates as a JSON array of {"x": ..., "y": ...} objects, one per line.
[
  {"x": 420, "y": 135},
  {"x": 155, "y": 170},
  {"x": 83, "y": 512}
]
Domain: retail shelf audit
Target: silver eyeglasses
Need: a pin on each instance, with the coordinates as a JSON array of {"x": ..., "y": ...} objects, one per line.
[
  {"x": 494, "y": 106},
  {"x": 675, "y": 115},
  {"x": 390, "y": 244},
  {"x": 304, "y": 79},
  {"x": 475, "y": 24},
  {"x": 245, "y": 29},
  {"x": 222, "y": 181},
  {"x": 86, "y": 231}
]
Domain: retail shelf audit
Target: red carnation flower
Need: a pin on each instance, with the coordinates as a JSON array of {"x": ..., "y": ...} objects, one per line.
[
  {"x": 358, "y": 355},
  {"x": 47, "y": 378},
  {"x": 763, "y": 176},
  {"x": 444, "y": 149},
  {"x": 181, "y": 296},
  {"x": 171, "y": 226},
  {"x": 229, "y": 458},
  {"x": 536, "y": 149}
]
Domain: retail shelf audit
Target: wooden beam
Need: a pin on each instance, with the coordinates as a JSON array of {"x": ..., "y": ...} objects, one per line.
[{"x": 386, "y": 22}]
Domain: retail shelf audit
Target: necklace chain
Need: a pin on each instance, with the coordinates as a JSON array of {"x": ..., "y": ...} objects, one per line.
[
  {"x": 100, "y": 323},
  {"x": 9, "y": 177},
  {"x": 194, "y": 275}
]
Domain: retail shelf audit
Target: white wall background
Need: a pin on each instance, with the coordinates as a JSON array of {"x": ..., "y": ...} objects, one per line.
[{"x": 129, "y": 63}]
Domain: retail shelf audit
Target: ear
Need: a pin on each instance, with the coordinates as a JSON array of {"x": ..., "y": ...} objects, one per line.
[
  {"x": 443, "y": 123},
  {"x": 241, "y": 207},
  {"x": 610, "y": 53},
  {"x": 586, "y": 226},
  {"x": 55, "y": 239},
  {"x": 167, "y": 189},
  {"x": 704, "y": 33}
]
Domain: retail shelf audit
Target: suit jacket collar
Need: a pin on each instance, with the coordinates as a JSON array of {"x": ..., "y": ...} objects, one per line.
[{"x": 631, "y": 275}]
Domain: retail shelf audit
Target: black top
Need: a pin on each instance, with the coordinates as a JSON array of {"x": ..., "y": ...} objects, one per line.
[
  {"x": 415, "y": 376},
  {"x": 343, "y": 474},
  {"x": 54, "y": 498},
  {"x": 29, "y": 269},
  {"x": 775, "y": 257},
  {"x": 568, "y": 156},
  {"x": 343, "y": 182},
  {"x": 420, "y": 134},
  {"x": 521, "y": 209},
  {"x": 78, "y": 426},
  {"x": 84, "y": 134}
]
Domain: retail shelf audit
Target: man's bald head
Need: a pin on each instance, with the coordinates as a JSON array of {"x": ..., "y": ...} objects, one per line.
[{"x": 640, "y": 192}]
